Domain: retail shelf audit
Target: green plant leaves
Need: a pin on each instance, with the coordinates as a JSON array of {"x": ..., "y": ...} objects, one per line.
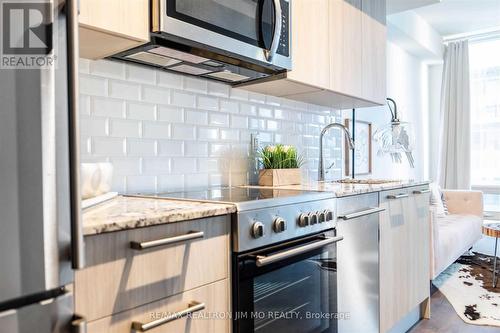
[{"x": 280, "y": 157}]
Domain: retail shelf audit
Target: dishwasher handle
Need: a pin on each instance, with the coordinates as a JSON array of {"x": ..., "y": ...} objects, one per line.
[{"x": 362, "y": 213}]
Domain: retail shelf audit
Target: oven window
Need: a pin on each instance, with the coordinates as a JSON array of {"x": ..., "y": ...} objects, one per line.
[
  {"x": 299, "y": 296},
  {"x": 238, "y": 19}
]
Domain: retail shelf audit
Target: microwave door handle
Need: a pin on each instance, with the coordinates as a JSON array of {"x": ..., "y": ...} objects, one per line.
[
  {"x": 277, "y": 32},
  {"x": 77, "y": 242}
]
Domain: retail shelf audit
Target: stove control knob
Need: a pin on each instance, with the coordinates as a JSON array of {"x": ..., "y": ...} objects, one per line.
[
  {"x": 328, "y": 215},
  {"x": 321, "y": 216},
  {"x": 258, "y": 230},
  {"x": 313, "y": 217},
  {"x": 279, "y": 225},
  {"x": 303, "y": 220}
]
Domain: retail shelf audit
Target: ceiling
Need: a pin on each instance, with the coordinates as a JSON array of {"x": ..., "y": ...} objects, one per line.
[
  {"x": 397, "y": 6},
  {"x": 450, "y": 17}
]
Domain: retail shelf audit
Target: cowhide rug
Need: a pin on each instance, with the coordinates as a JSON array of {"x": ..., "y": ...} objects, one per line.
[{"x": 467, "y": 284}]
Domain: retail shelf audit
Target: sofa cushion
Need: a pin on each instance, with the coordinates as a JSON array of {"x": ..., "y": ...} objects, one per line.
[
  {"x": 455, "y": 235},
  {"x": 436, "y": 200}
]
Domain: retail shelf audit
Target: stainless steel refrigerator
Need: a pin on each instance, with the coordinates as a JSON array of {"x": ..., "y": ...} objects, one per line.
[{"x": 40, "y": 218}]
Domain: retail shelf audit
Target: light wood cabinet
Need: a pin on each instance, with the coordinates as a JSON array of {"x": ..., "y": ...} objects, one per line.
[
  {"x": 214, "y": 318},
  {"x": 404, "y": 253},
  {"x": 118, "y": 277},
  {"x": 338, "y": 55},
  {"x": 111, "y": 26}
]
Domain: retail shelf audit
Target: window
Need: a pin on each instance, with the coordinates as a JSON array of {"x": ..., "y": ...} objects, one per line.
[{"x": 485, "y": 102}]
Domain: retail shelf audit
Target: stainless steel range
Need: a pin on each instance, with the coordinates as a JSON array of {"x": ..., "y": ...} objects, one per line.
[{"x": 284, "y": 258}]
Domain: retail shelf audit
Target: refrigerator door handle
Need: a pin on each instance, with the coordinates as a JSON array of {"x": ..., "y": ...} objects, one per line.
[
  {"x": 77, "y": 243},
  {"x": 78, "y": 324}
]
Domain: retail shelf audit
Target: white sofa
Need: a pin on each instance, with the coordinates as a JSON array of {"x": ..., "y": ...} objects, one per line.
[{"x": 453, "y": 234}]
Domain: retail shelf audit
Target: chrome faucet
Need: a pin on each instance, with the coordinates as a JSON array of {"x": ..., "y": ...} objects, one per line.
[{"x": 350, "y": 142}]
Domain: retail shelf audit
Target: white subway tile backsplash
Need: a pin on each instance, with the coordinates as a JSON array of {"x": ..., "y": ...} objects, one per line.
[
  {"x": 104, "y": 146},
  {"x": 208, "y": 133},
  {"x": 170, "y": 183},
  {"x": 155, "y": 130},
  {"x": 196, "y": 149},
  {"x": 108, "y": 107},
  {"x": 141, "y": 184},
  {"x": 248, "y": 109},
  {"x": 196, "y": 117},
  {"x": 140, "y": 74},
  {"x": 171, "y": 148},
  {"x": 238, "y": 122},
  {"x": 96, "y": 126},
  {"x": 228, "y": 106},
  {"x": 170, "y": 114},
  {"x": 218, "y": 89},
  {"x": 141, "y": 111},
  {"x": 156, "y": 166},
  {"x": 93, "y": 86},
  {"x": 123, "y": 166},
  {"x": 108, "y": 69},
  {"x": 229, "y": 134},
  {"x": 169, "y": 80},
  {"x": 195, "y": 85},
  {"x": 208, "y": 103},
  {"x": 218, "y": 119},
  {"x": 124, "y": 128},
  {"x": 141, "y": 147},
  {"x": 183, "y": 132},
  {"x": 186, "y": 100},
  {"x": 168, "y": 132},
  {"x": 184, "y": 165},
  {"x": 198, "y": 180},
  {"x": 155, "y": 95}
]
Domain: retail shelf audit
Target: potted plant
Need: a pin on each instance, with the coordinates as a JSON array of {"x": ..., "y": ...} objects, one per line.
[{"x": 281, "y": 166}]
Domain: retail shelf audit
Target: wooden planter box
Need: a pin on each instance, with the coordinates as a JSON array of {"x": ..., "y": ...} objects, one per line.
[{"x": 280, "y": 177}]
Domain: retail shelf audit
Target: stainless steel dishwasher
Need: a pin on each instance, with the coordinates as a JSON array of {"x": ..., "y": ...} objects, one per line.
[{"x": 358, "y": 263}]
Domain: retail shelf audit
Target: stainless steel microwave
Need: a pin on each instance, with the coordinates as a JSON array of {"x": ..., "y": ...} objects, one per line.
[{"x": 228, "y": 40}]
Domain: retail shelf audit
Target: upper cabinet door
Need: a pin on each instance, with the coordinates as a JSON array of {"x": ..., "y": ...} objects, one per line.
[
  {"x": 374, "y": 38},
  {"x": 311, "y": 43},
  {"x": 346, "y": 47},
  {"x": 111, "y": 26}
]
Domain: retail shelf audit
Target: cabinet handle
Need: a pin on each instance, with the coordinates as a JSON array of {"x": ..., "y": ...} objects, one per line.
[
  {"x": 166, "y": 241},
  {"x": 361, "y": 213},
  {"x": 398, "y": 196},
  {"x": 192, "y": 307},
  {"x": 78, "y": 325},
  {"x": 421, "y": 191},
  {"x": 77, "y": 242}
]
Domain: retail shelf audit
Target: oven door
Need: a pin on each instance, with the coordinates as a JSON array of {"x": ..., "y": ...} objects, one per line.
[
  {"x": 256, "y": 30},
  {"x": 288, "y": 288}
]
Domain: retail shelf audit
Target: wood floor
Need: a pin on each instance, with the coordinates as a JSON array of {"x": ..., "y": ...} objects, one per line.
[{"x": 445, "y": 320}]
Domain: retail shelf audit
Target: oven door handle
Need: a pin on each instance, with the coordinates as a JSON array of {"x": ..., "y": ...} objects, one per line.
[{"x": 267, "y": 260}]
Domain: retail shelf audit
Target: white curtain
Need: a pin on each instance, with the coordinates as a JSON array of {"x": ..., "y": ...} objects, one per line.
[{"x": 455, "y": 139}]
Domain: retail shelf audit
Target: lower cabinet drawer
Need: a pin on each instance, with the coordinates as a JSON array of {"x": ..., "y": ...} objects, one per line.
[
  {"x": 212, "y": 318},
  {"x": 177, "y": 257}
]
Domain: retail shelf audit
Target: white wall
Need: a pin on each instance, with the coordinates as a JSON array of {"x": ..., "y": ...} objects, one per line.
[
  {"x": 407, "y": 85},
  {"x": 168, "y": 132}
]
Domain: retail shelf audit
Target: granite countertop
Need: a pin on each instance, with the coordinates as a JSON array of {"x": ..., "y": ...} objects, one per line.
[
  {"x": 343, "y": 190},
  {"x": 124, "y": 212}
]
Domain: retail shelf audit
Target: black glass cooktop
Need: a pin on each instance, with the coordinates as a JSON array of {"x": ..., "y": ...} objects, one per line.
[{"x": 247, "y": 197}]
